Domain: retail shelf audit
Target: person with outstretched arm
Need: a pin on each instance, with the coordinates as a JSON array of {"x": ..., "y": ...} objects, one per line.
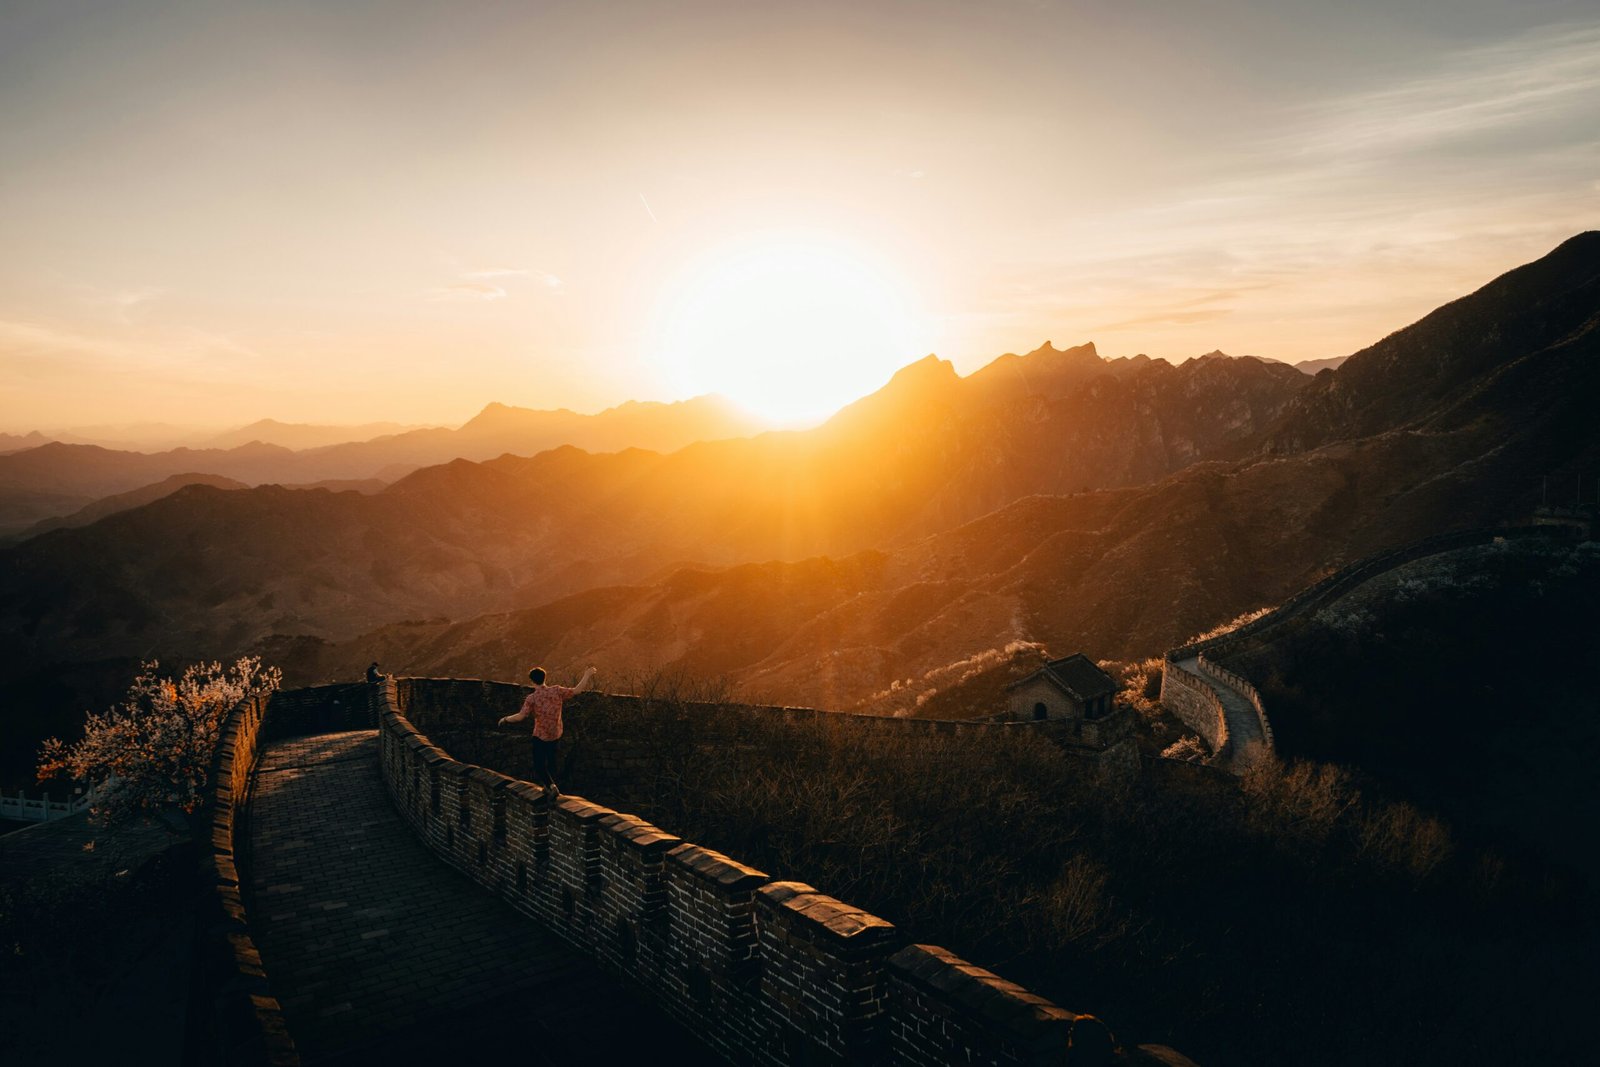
[{"x": 544, "y": 704}]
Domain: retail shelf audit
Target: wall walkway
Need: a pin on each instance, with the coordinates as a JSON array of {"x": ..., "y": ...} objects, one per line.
[
  {"x": 1244, "y": 738},
  {"x": 379, "y": 951},
  {"x": 1224, "y": 707}
]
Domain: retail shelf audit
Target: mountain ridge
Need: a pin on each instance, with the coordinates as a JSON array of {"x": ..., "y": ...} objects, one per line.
[{"x": 1111, "y": 506}]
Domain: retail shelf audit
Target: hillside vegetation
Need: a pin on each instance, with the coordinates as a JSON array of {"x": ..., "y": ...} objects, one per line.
[
  {"x": 1291, "y": 918},
  {"x": 1464, "y": 681}
]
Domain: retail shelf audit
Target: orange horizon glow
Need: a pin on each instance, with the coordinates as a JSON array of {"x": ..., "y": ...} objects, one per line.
[{"x": 277, "y": 212}]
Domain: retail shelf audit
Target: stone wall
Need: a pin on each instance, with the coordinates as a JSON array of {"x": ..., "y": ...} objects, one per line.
[
  {"x": 618, "y": 746},
  {"x": 235, "y": 1017},
  {"x": 1192, "y": 700},
  {"x": 1243, "y": 686},
  {"x": 766, "y": 972},
  {"x": 1195, "y": 704},
  {"x": 1348, "y": 577},
  {"x": 319, "y": 709}
]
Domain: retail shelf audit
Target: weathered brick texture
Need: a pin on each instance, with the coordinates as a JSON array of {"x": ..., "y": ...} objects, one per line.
[
  {"x": 943, "y": 1010},
  {"x": 762, "y": 971}
]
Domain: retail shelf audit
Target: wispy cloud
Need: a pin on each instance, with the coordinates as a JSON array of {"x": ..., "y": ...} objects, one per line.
[
  {"x": 498, "y": 272},
  {"x": 1550, "y": 74},
  {"x": 127, "y": 301},
  {"x": 122, "y": 305},
  {"x": 1360, "y": 210},
  {"x": 41, "y": 347},
  {"x": 1166, "y": 318},
  {"x": 469, "y": 291},
  {"x": 486, "y": 284}
]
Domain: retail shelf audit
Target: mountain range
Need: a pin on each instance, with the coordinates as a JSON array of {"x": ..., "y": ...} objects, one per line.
[
  {"x": 55, "y": 478},
  {"x": 1449, "y": 423},
  {"x": 1112, "y": 506}
]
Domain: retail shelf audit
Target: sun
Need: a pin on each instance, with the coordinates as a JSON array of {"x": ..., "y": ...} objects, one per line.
[{"x": 790, "y": 326}]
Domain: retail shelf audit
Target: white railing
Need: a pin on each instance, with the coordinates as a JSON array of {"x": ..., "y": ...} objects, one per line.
[{"x": 24, "y": 808}]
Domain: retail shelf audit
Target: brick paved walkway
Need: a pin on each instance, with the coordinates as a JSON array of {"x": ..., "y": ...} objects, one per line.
[{"x": 377, "y": 949}]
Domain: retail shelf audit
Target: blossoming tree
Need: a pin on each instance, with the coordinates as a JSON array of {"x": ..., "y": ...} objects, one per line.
[{"x": 154, "y": 749}]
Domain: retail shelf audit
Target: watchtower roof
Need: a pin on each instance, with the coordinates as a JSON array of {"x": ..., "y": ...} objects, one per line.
[{"x": 1076, "y": 675}]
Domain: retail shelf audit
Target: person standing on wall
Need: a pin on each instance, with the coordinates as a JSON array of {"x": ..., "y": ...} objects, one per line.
[{"x": 544, "y": 704}]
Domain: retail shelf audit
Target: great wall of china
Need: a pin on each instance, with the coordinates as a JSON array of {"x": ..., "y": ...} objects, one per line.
[
  {"x": 753, "y": 969},
  {"x": 759, "y": 971},
  {"x": 1224, "y": 707}
]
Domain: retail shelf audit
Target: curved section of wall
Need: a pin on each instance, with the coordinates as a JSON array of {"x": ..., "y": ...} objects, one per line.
[
  {"x": 1195, "y": 703},
  {"x": 238, "y": 1020},
  {"x": 766, "y": 971},
  {"x": 1241, "y": 685},
  {"x": 1199, "y": 708},
  {"x": 1348, "y": 577}
]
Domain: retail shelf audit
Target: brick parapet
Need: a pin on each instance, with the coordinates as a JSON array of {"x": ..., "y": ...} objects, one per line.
[
  {"x": 822, "y": 964},
  {"x": 763, "y": 971},
  {"x": 1346, "y": 578},
  {"x": 618, "y": 745},
  {"x": 943, "y": 1010},
  {"x": 1243, "y": 686},
  {"x": 320, "y": 709},
  {"x": 238, "y": 1020}
]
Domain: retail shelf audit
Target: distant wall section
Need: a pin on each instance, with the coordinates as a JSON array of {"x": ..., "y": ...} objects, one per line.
[
  {"x": 1197, "y": 704},
  {"x": 617, "y": 746}
]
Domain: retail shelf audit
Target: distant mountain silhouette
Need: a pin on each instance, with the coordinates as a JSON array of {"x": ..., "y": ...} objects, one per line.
[
  {"x": 1452, "y": 353},
  {"x": 11, "y": 442},
  {"x": 299, "y": 436},
  {"x": 1316, "y": 366},
  {"x": 204, "y": 571},
  {"x": 20, "y": 508},
  {"x": 136, "y": 498},
  {"x": 75, "y": 471}
]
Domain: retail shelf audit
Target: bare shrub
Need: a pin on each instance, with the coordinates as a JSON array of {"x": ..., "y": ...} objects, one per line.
[
  {"x": 1077, "y": 908},
  {"x": 1188, "y": 749},
  {"x": 1229, "y": 626},
  {"x": 1401, "y": 838},
  {"x": 676, "y": 686},
  {"x": 1300, "y": 801}
]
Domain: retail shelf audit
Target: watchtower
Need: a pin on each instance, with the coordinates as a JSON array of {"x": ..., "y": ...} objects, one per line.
[{"x": 1070, "y": 688}]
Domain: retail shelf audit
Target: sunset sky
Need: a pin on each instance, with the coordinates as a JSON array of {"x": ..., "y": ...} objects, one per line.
[{"x": 349, "y": 211}]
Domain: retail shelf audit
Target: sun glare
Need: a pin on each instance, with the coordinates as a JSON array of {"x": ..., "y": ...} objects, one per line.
[{"x": 789, "y": 327}]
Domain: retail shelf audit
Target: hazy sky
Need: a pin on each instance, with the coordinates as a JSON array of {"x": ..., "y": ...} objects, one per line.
[{"x": 344, "y": 211}]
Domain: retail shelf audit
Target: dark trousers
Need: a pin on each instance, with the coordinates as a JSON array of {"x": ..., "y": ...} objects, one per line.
[{"x": 544, "y": 761}]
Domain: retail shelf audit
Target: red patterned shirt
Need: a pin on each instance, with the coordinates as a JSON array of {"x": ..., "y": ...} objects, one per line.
[{"x": 544, "y": 703}]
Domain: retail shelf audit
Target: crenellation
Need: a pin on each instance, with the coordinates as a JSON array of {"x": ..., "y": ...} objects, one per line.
[
  {"x": 631, "y": 909},
  {"x": 944, "y": 1010},
  {"x": 823, "y": 961}
]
